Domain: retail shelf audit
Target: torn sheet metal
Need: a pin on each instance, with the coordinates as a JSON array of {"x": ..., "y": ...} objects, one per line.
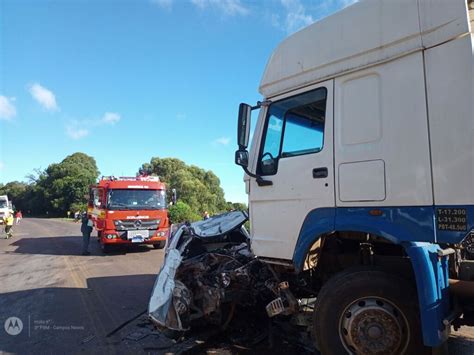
[
  {"x": 209, "y": 270},
  {"x": 160, "y": 301},
  {"x": 201, "y": 260},
  {"x": 220, "y": 225}
]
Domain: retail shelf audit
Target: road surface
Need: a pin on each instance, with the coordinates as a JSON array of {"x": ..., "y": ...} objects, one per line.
[{"x": 68, "y": 303}]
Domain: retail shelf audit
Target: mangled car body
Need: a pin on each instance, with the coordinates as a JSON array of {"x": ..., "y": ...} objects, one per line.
[{"x": 209, "y": 270}]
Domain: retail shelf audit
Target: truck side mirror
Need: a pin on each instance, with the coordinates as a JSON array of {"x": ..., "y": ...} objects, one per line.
[
  {"x": 243, "y": 127},
  {"x": 242, "y": 158},
  {"x": 174, "y": 196}
]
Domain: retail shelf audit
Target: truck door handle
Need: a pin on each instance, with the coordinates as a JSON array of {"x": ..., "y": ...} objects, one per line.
[{"x": 320, "y": 173}]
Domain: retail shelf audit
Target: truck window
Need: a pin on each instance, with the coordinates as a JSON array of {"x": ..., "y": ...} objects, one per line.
[
  {"x": 131, "y": 199},
  {"x": 92, "y": 193},
  {"x": 294, "y": 126}
]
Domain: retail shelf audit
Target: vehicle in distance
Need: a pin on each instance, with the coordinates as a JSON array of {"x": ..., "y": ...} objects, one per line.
[
  {"x": 6, "y": 207},
  {"x": 129, "y": 210}
]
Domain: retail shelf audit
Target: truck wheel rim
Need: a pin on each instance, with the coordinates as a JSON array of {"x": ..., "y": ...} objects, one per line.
[{"x": 373, "y": 325}]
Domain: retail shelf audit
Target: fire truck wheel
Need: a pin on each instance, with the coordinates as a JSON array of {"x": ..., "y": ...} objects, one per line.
[
  {"x": 160, "y": 245},
  {"x": 367, "y": 312}
]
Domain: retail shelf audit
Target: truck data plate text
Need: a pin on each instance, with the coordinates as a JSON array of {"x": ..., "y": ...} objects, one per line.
[{"x": 451, "y": 219}]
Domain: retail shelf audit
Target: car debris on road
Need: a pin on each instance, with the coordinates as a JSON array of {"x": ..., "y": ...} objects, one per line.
[{"x": 210, "y": 278}]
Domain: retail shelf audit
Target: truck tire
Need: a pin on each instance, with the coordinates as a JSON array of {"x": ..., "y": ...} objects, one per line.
[
  {"x": 160, "y": 245},
  {"x": 367, "y": 312}
]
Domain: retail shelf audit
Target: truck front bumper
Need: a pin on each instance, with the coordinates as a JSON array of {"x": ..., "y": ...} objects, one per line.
[
  {"x": 431, "y": 275},
  {"x": 114, "y": 237}
]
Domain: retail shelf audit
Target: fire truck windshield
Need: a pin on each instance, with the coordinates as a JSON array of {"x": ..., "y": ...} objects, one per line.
[{"x": 128, "y": 199}]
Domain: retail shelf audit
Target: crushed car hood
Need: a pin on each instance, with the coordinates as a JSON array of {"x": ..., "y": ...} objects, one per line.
[
  {"x": 219, "y": 225},
  {"x": 193, "y": 243}
]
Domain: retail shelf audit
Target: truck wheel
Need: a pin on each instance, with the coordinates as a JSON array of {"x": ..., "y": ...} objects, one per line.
[
  {"x": 367, "y": 312},
  {"x": 160, "y": 245}
]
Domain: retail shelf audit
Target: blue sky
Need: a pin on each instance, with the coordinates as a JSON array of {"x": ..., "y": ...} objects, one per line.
[{"x": 127, "y": 80}]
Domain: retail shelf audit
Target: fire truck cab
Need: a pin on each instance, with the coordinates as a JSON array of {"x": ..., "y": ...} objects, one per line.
[{"x": 129, "y": 210}]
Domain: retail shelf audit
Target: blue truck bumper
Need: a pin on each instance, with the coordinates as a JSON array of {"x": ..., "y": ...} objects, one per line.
[{"x": 431, "y": 274}]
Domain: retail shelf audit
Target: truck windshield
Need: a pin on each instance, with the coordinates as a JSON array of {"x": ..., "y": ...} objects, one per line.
[
  {"x": 3, "y": 204},
  {"x": 128, "y": 199}
]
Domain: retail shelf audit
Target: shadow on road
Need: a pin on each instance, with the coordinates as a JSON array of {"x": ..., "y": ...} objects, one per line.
[
  {"x": 72, "y": 320},
  {"x": 70, "y": 245}
]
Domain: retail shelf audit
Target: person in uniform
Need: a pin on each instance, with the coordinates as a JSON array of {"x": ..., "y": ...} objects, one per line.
[
  {"x": 86, "y": 229},
  {"x": 8, "y": 221}
]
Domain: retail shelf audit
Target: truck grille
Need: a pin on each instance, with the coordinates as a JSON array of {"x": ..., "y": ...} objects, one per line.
[{"x": 134, "y": 224}]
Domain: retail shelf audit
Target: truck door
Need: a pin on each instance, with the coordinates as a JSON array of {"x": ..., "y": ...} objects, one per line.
[
  {"x": 96, "y": 206},
  {"x": 295, "y": 158}
]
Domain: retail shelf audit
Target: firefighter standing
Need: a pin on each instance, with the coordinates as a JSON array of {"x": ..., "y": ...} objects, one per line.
[
  {"x": 86, "y": 229},
  {"x": 8, "y": 221}
]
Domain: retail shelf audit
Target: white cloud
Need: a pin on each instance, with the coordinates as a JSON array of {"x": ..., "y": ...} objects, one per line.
[
  {"x": 7, "y": 109},
  {"x": 222, "y": 141},
  {"x": 44, "y": 97},
  {"x": 77, "y": 129},
  {"x": 111, "y": 118},
  {"x": 165, "y": 4},
  {"x": 296, "y": 16},
  {"x": 228, "y": 7},
  {"x": 1, "y": 165},
  {"x": 75, "y": 132}
]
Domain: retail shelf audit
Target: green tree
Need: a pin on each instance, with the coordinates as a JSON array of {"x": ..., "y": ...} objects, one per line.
[
  {"x": 236, "y": 206},
  {"x": 65, "y": 184},
  {"x": 181, "y": 212},
  {"x": 196, "y": 187}
]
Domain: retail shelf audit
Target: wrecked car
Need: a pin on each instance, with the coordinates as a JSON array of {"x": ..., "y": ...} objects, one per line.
[{"x": 208, "y": 271}]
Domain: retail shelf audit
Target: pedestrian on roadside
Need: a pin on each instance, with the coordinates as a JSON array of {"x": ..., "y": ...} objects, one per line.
[
  {"x": 205, "y": 215},
  {"x": 8, "y": 221},
  {"x": 18, "y": 216},
  {"x": 86, "y": 229}
]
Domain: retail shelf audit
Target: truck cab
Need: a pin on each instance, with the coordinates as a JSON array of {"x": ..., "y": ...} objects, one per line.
[
  {"x": 363, "y": 151},
  {"x": 129, "y": 210},
  {"x": 6, "y": 207}
]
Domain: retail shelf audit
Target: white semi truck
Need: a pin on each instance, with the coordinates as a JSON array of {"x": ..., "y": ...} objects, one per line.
[
  {"x": 360, "y": 177},
  {"x": 6, "y": 207}
]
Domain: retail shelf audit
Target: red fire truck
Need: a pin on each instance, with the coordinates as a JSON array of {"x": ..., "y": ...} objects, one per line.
[{"x": 129, "y": 210}]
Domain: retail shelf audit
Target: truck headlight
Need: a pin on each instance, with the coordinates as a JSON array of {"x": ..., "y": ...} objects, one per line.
[{"x": 111, "y": 236}]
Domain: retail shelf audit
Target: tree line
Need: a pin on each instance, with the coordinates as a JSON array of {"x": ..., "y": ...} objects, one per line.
[{"x": 63, "y": 187}]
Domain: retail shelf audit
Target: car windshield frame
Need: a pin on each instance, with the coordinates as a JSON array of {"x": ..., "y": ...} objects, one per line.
[{"x": 130, "y": 199}]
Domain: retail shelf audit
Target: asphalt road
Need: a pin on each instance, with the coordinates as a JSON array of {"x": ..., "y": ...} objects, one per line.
[{"x": 68, "y": 303}]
